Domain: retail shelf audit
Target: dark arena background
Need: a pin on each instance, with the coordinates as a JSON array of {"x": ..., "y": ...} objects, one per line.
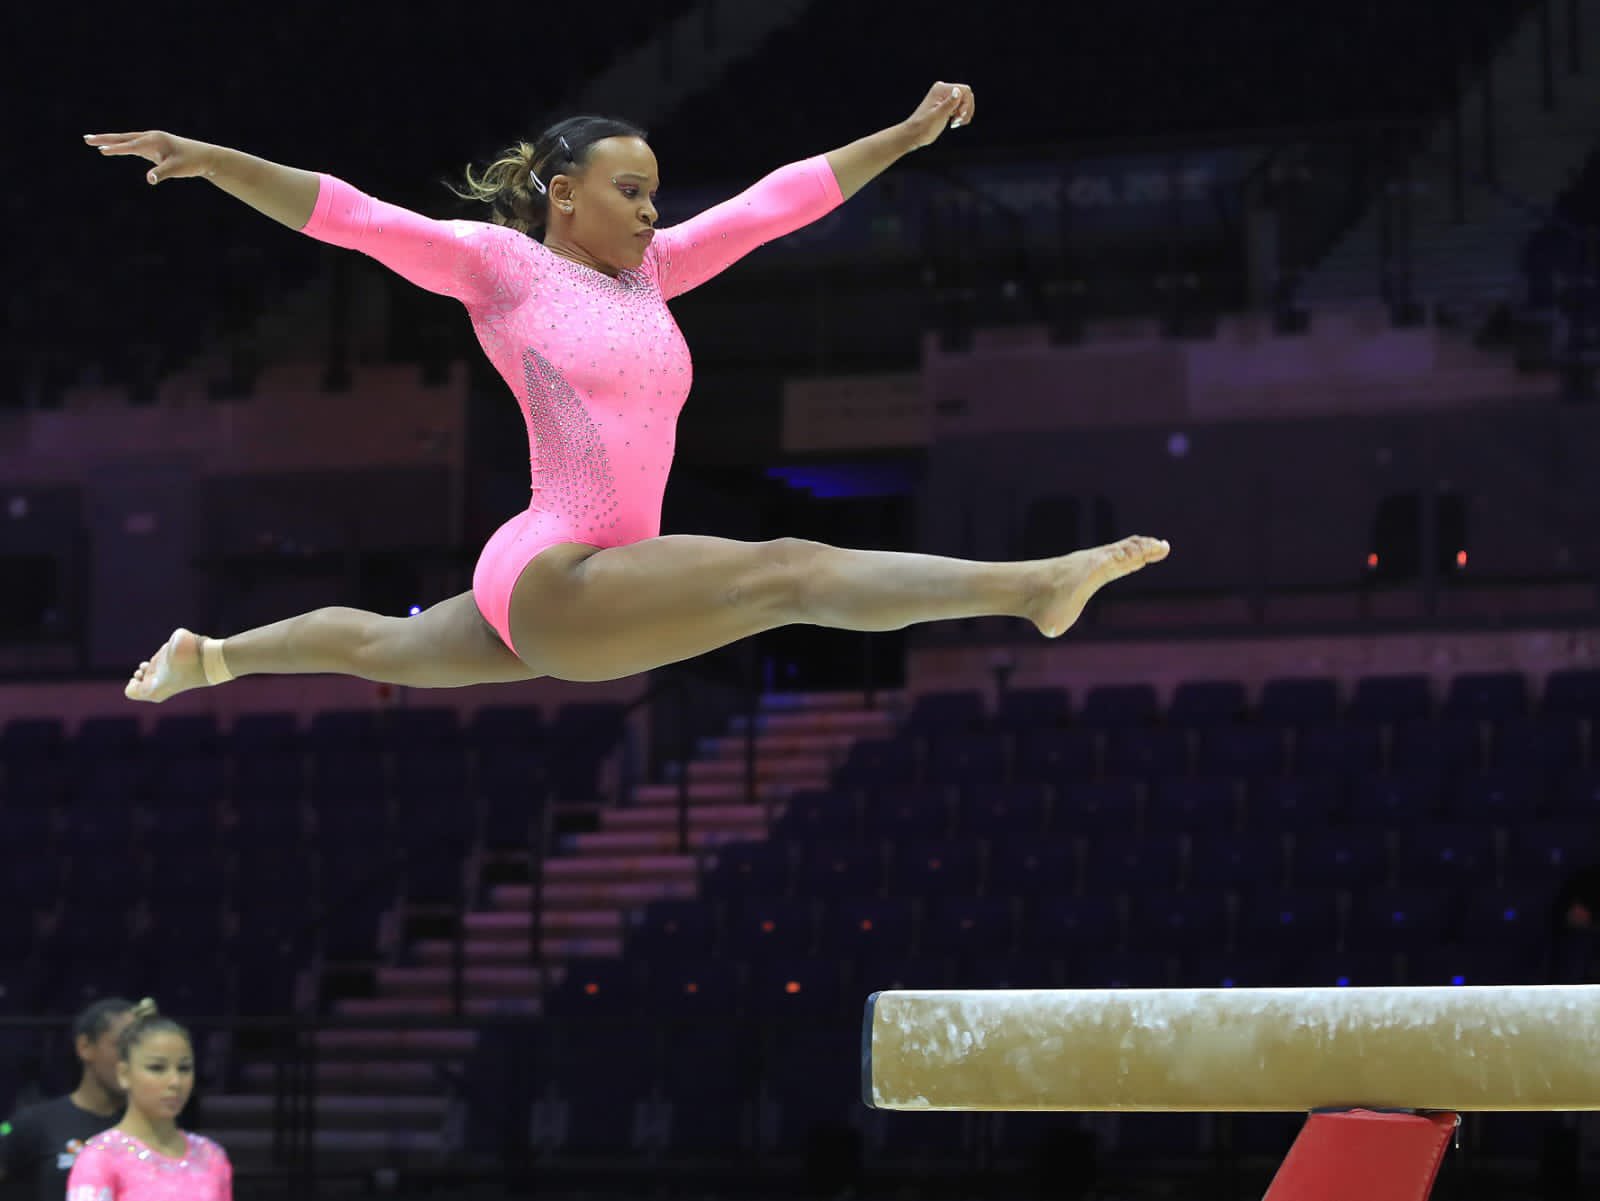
[{"x": 1307, "y": 287}]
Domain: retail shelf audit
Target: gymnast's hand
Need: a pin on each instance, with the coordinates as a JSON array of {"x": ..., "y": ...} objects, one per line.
[
  {"x": 947, "y": 105},
  {"x": 174, "y": 157}
]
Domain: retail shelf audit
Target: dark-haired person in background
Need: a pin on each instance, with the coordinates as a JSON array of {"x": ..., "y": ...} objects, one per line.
[
  {"x": 567, "y": 291},
  {"x": 147, "y": 1156},
  {"x": 40, "y": 1144}
]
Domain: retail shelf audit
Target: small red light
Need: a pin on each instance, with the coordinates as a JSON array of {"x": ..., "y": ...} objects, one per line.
[
  {"x": 1461, "y": 558},
  {"x": 591, "y": 988},
  {"x": 792, "y": 987},
  {"x": 691, "y": 987},
  {"x": 1372, "y": 559},
  {"x": 866, "y": 923},
  {"x": 768, "y": 925}
]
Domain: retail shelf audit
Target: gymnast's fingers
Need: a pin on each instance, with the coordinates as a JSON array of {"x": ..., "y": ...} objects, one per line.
[{"x": 104, "y": 141}]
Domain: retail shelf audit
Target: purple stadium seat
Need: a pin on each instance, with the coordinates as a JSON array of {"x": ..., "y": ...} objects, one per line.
[
  {"x": 1506, "y": 796},
  {"x": 812, "y": 815},
  {"x": 1296, "y": 803},
  {"x": 1203, "y": 803},
  {"x": 1197, "y": 703},
  {"x": 695, "y": 987},
  {"x": 929, "y": 869},
  {"x": 1517, "y": 916},
  {"x": 1002, "y": 810},
  {"x": 771, "y": 926},
  {"x": 797, "y": 987},
  {"x": 903, "y": 816},
  {"x": 671, "y": 930},
  {"x": 505, "y": 725},
  {"x": 879, "y": 973},
  {"x": 840, "y": 869},
  {"x": 860, "y": 927},
  {"x": 1245, "y": 751},
  {"x": 1147, "y": 753},
  {"x": 1308, "y": 701},
  {"x": 264, "y": 733},
  {"x": 1127, "y": 863},
  {"x": 1394, "y": 698},
  {"x": 1034, "y": 866},
  {"x": 947, "y": 714},
  {"x": 1337, "y": 751},
  {"x": 1488, "y": 696},
  {"x": 1251, "y": 860},
  {"x": 1026, "y": 969},
  {"x": 1116, "y": 706},
  {"x": 1546, "y": 851},
  {"x": 1349, "y": 969},
  {"x": 1066, "y": 925},
  {"x": 1552, "y": 744},
  {"x": 748, "y": 869},
  {"x": 1574, "y": 692},
  {"x": 1338, "y": 859},
  {"x": 1029, "y": 709},
  {"x": 1394, "y": 801},
  {"x": 1448, "y": 856},
  {"x": 1203, "y": 968},
  {"x": 970, "y": 926},
  {"x": 1057, "y": 755},
  {"x": 1439, "y": 747},
  {"x": 1281, "y": 921},
  {"x": 1521, "y": 963},
  {"x": 1172, "y": 922},
  {"x": 1118, "y": 969},
  {"x": 1402, "y": 918},
  {"x": 1109, "y": 806},
  {"x": 1578, "y": 795}
]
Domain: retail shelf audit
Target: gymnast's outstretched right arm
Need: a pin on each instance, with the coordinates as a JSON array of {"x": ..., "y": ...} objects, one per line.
[{"x": 464, "y": 259}]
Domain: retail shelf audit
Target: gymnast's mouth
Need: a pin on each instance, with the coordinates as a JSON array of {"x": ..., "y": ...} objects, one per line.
[{"x": 647, "y": 235}]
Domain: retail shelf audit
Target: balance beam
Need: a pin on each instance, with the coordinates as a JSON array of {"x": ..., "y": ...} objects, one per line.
[{"x": 1234, "y": 1050}]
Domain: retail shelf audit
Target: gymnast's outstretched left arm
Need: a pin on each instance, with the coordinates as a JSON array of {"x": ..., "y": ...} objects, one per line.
[
  {"x": 686, "y": 255},
  {"x": 462, "y": 259}
]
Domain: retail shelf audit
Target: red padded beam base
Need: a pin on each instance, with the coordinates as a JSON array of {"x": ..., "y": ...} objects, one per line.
[{"x": 1366, "y": 1156}]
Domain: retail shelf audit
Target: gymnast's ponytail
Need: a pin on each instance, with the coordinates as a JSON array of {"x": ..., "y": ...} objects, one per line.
[
  {"x": 147, "y": 1020},
  {"x": 516, "y": 185}
]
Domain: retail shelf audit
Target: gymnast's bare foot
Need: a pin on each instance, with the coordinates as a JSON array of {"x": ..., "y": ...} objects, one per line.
[
  {"x": 175, "y": 668},
  {"x": 1071, "y": 580}
]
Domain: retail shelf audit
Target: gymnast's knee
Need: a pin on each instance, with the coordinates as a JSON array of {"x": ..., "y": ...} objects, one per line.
[{"x": 783, "y": 583}]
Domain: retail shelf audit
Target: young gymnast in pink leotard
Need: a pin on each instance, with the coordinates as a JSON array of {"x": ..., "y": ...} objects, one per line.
[
  {"x": 568, "y": 293},
  {"x": 145, "y": 1156}
]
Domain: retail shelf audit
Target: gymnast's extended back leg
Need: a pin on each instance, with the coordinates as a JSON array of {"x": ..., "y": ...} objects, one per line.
[
  {"x": 448, "y": 645},
  {"x": 582, "y": 614}
]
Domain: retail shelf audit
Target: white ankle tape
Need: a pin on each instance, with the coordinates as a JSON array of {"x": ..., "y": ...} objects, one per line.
[{"x": 212, "y": 662}]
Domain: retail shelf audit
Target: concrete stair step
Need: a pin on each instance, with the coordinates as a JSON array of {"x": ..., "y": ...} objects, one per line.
[
  {"x": 771, "y": 743},
  {"x": 789, "y": 769},
  {"x": 720, "y": 792},
  {"x": 417, "y": 1045},
  {"x": 791, "y": 702},
  {"x": 333, "y": 1112},
  {"x": 479, "y": 982},
  {"x": 616, "y": 893},
  {"x": 394, "y": 1078},
  {"x": 657, "y": 818},
  {"x": 865, "y": 723},
  {"x": 436, "y": 1006},
  {"x": 638, "y": 868},
  {"x": 646, "y": 841}
]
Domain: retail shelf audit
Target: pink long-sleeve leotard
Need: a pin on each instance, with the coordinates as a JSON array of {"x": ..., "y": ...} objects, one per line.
[
  {"x": 114, "y": 1166},
  {"x": 598, "y": 363}
]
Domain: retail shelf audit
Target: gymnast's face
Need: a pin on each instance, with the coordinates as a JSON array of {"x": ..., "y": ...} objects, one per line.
[{"x": 613, "y": 213}]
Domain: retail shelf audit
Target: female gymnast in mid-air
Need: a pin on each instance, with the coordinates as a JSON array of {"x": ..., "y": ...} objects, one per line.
[{"x": 568, "y": 292}]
